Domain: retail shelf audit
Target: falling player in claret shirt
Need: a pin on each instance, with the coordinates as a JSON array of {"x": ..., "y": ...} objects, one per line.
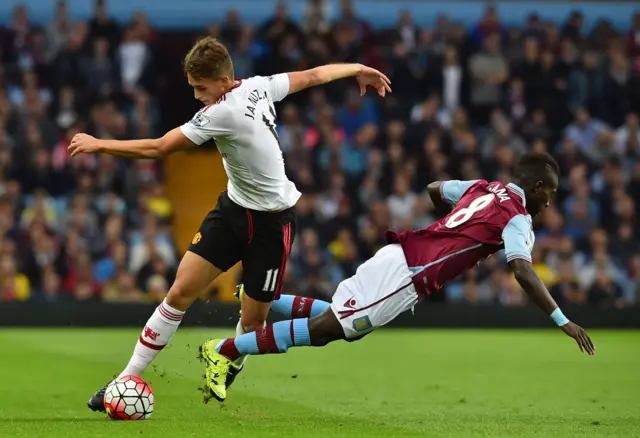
[
  {"x": 255, "y": 219},
  {"x": 480, "y": 218}
]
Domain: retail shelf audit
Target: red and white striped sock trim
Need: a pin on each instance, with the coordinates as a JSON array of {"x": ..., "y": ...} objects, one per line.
[
  {"x": 170, "y": 313},
  {"x": 150, "y": 345}
]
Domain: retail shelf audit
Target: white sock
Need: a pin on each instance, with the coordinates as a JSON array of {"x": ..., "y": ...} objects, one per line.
[
  {"x": 155, "y": 336},
  {"x": 240, "y": 331}
]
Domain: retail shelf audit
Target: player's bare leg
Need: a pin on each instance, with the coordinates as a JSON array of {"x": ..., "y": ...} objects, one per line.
[
  {"x": 289, "y": 306},
  {"x": 219, "y": 355},
  {"x": 254, "y": 313},
  {"x": 292, "y": 306},
  {"x": 253, "y": 316},
  {"x": 325, "y": 328},
  {"x": 193, "y": 276},
  {"x": 380, "y": 290}
]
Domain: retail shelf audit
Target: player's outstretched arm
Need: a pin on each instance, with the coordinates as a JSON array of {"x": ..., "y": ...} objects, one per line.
[
  {"x": 537, "y": 291},
  {"x": 443, "y": 208},
  {"x": 446, "y": 194},
  {"x": 172, "y": 141},
  {"x": 366, "y": 77}
]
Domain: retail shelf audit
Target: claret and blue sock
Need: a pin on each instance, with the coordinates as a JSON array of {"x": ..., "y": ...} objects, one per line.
[
  {"x": 293, "y": 306},
  {"x": 272, "y": 339}
]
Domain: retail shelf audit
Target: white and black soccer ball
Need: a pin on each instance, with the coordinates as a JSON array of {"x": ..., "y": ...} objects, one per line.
[{"x": 129, "y": 398}]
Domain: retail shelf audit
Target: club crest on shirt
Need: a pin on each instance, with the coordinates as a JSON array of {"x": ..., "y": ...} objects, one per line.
[
  {"x": 197, "y": 238},
  {"x": 362, "y": 324}
]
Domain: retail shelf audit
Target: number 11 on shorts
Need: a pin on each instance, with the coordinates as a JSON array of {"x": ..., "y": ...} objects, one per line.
[{"x": 270, "y": 281}]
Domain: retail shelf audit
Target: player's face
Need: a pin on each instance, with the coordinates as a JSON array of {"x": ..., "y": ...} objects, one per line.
[
  {"x": 541, "y": 195},
  {"x": 208, "y": 91}
]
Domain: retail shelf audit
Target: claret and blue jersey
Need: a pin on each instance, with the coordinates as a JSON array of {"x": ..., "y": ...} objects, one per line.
[{"x": 486, "y": 217}]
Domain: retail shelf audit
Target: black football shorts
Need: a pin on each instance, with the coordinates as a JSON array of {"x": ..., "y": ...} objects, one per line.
[{"x": 261, "y": 240}]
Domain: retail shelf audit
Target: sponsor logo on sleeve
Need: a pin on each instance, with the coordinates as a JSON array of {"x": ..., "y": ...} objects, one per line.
[{"x": 199, "y": 120}]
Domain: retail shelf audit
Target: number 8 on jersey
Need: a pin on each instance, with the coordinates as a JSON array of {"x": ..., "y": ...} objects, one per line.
[{"x": 464, "y": 214}]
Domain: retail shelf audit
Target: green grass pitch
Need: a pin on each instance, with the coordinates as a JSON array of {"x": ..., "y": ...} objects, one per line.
[{"x": 394, "y": 383}]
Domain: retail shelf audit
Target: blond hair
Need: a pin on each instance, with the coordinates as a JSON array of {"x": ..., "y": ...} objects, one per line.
[{"x": 208, "y": 59}]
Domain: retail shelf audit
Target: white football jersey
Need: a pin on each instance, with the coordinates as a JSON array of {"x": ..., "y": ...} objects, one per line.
[{"x": 242, "y": 123}]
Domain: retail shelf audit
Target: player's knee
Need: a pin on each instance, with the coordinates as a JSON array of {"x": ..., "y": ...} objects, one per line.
[
  {"x": 324, "y": 329},
  {"x": 254, "y": 313},
  {"x": 180, "y": 297},
  {"x": 253, "y": 324},
  {"x": 357, "y": 338},
  {"x": 322, "y": 337}
]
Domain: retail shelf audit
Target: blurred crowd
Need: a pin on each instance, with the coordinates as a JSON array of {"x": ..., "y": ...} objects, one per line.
[
  {"x": 92, "y": 227},
  {"x": 466, "y": 102}
]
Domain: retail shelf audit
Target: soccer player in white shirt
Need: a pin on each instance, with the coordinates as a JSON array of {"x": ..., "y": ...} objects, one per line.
[{"x": 254, "y": 220}]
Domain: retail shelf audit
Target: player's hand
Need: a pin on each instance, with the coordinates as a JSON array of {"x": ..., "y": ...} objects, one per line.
[
  {"x": 370, "y": 77},
  {"x": 581, "y": 337},
  {"x": 83, "y": 143}
]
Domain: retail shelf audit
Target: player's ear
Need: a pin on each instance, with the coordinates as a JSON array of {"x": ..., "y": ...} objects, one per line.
[{"x": 537, "y": 187}]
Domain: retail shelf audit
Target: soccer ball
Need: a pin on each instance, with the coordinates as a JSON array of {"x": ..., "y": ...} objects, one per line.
[{"x": 129, "y": 398}]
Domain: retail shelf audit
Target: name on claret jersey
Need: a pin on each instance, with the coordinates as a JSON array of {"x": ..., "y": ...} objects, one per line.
[
  {"x": 500, "y": 193},
  {"x": 254, "y": 97}
]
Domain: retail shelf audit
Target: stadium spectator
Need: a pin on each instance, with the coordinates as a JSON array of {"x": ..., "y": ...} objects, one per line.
[
  {"x": 489, "y": 71},
  {"x": 51, "y": 285},
  {"x": 489, "y": 24},
  {"x": 103, "y": 26},
  {"x": 466, "y": 103},
  {"x": 604, "y": 292},
  {"x": 566, "y": 289},
  {"x": 58, "y": 31},
  {"x": 627, "y": 137},
  {"x": 632, "y": 292},
  {"x": 15, "y": 285},
  {"x": 123, "y": 289}
]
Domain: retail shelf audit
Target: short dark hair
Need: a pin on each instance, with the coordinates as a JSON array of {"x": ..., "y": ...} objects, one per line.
[{"x": 536, "y": 166}]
